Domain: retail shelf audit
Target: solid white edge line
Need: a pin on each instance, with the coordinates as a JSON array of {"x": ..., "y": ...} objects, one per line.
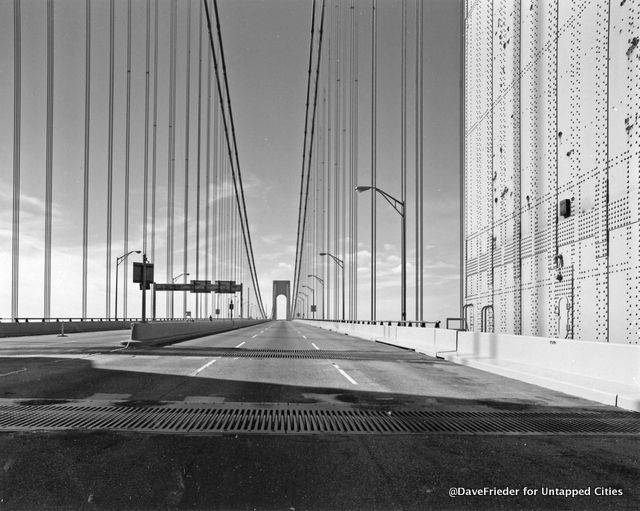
[
  {"x": 344, "y": 374},
  {"x": 240, "y": 344},
  {"x": 205, "y": 366},
  {"x": 314, "y": 345}
]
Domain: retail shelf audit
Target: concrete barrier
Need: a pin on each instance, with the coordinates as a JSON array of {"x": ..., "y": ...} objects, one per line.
[
  {"x": 155, "y": 334},
  {"x": 604, "y": 372},
  {"x": 55, "y": 327}
]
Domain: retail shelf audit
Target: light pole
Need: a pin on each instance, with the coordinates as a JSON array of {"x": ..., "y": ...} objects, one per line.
[
  {"x": 399, "y": 206},
  {"x": 173, "y": 280},
  {"x": 340, "y": 263},
  {"x": 321, "y": 282},
  {"x": 118, "y": 261},
  {"x": 313, "y": 302}
]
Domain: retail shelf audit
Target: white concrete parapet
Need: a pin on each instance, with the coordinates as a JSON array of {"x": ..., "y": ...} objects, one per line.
[{"x": 604, "y": 372}]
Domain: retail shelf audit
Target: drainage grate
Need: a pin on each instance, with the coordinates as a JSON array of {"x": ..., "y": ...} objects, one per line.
[
  {"x": 315, "y": 354},
  {"x": 289, "y": 354},
  {"x": 176, "y": 418}
]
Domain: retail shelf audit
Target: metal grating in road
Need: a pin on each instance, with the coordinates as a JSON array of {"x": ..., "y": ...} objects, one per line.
[
  {"x": 315, "y": 354},
  {"x": 290, "y": 354},
  {"x": 237, "y": 418}
]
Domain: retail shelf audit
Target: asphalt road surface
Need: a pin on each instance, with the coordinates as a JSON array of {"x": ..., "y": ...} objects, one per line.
[{"x": 296, "y": 365}]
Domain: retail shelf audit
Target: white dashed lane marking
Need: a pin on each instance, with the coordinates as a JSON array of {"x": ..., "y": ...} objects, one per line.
[
  {"x": 204, "y": 366},
  {"x": 351, "y": 380}
]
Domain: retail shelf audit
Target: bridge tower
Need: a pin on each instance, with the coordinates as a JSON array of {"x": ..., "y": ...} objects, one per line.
[{"x": 281, "y": 287}]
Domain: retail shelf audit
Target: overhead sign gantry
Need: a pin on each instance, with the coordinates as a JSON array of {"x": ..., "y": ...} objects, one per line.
[{"x": 203, "y": 286}]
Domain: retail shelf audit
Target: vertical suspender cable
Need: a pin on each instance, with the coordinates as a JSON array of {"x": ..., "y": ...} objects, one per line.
[
  {"x": 110, "y": 156},
  {"x": 85, "y": 181},
  {"x": 198, "y": 162},
  {"x": 207, "y": 195},
  {"x": 224, "y": 221},
  {"x": 355, "y": 159},
  {"x": 126, "y": 160},
  {"x": 186, "y": 168},
  {"x": 421, "y": 174},
  {"x": 229, "y": 221},
  {"x": 352, "y": 183},
  {"x": 353, "y": 149},
  {"x": 217, "y": 135},
  {"x": 403, "y": 139},
  {"x": 345, "y": 181},
  {"x": 313, "y": 253},
  {"x": 417, "y": 150},
  {"x": 336, "y": 158},
  {"x": 48, "y": 164},
  {"x": 329, "y": 279},
  {"x": 224, "y": 255},
  {"x": 325, "y": 195},
  {"x": 17, "y": 117},
  {"x": 171, "y": 156},
  {"x": 154, "y": 144},
  {"x": 145, "y": 201},
  {"x": 374, "y": 56},
  {"x": 215, "y": 271}
]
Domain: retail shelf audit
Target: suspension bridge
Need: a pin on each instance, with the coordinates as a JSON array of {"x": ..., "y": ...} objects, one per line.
[{"x": 412, "y": 354}]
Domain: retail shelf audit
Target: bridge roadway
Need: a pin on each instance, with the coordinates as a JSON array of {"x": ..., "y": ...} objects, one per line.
[{"x": 301, "y": 365}]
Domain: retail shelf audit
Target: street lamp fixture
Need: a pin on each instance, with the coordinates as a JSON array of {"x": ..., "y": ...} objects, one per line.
[
  {"x": 178, "y": 276},
  {"x": 340, "y": 263},
  {"x": 400, "y": 208},
  {"x": 118, "y": 261}
]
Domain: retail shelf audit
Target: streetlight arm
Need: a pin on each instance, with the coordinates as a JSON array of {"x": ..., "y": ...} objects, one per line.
[
  {"x": 178, "y": 276},
  {"x": 121, "y": 258},
  {"x": 339, "y": 261},
  {"x": 396, "y": 204},
  {"x": 319, "y": 279}
]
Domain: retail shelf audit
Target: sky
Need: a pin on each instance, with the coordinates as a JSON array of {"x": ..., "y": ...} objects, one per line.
[{"x": 266, "y": 45}]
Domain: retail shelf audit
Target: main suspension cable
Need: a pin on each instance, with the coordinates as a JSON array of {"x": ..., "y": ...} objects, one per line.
[
  {"x": 298, "y": 258},
  {"x": 232, "y": 149}
]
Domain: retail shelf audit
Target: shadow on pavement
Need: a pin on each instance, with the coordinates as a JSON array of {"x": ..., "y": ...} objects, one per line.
[
  {"x": 73, "y": 378},
  {"x": 108, "y": 470}
]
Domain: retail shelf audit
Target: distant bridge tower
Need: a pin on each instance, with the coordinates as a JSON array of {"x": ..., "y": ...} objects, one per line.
[{"x": 281, "y": 287}]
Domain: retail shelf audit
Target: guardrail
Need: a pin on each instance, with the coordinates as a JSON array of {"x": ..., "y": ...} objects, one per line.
[
  {"x": 78, "y": 320},
  {"x": 418, "y": 324},
  {"x": 16, "y": 327}
]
